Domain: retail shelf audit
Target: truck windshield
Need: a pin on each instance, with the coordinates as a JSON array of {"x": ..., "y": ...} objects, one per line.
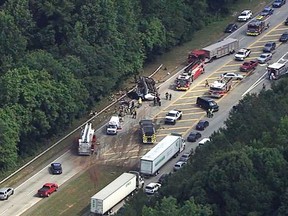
[{"x": 171, "y": 114}]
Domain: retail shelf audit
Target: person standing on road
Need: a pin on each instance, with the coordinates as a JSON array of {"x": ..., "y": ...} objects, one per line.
[
  {"x": 211, "y": 113},
  {"x": 263, "y": 87},
  {"x": 206, "y": 83},
  {"x": 207, "y": 113},
  {"x": 159, "y": 102},
  {"x": 155, "y": 101},
  {"x": 167, "y": 95},
  {"x": 170, "y": 96}
]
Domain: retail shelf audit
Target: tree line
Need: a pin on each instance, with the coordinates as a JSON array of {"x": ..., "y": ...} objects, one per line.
[
  {"x": 58, "y": 58},
  {"x": 242, "y": 171}
]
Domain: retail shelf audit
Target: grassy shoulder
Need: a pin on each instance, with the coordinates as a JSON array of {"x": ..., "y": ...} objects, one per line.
[
  {"x": 73, "y": 198},
  {"x": 75, "y": 195}
]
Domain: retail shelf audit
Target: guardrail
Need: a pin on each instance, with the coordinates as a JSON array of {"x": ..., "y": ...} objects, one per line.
[{"x": 73, "y": 131}]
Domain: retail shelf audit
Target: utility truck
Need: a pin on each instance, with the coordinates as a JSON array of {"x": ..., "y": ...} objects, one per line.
[
  {"x": 86, "y": 143},
  {"x": 113, "y": 125},
  {"x": 167, "y": 148},
  {"x": 103, "y": 201},
  {"x": 214, "y": 51}
]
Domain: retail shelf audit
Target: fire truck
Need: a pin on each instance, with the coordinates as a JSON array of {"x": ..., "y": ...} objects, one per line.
[
  {"x": 256, "y": 27},
  {"x": 194, "y": 69},
  {"x": 86, "y": 144},
  {"x": 220, "y": 87}
]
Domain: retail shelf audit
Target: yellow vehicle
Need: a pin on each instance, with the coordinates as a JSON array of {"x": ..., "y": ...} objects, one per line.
[{"x": 148, "y": 131}]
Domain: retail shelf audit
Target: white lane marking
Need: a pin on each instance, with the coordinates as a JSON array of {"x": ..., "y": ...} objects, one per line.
[
  {"x": 255, "y": 84},
  {"x": 4, "y": 211},
  {"x": 241, "y": 38},
  {"x": 278, "y": 12}
]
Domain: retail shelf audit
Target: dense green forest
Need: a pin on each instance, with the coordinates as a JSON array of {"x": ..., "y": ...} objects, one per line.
[
  {"x": 59, "y": 57},
  {"x": 242, "y": 171}
]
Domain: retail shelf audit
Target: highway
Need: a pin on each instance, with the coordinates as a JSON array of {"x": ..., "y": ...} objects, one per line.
[{"x": 125, "y": 148}]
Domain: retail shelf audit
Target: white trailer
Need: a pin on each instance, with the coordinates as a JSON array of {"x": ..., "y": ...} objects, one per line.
[
  {"x": 168, "y": 147},
  {"x": 87, "y": 141},
  {"x": 116, "y": 191}
]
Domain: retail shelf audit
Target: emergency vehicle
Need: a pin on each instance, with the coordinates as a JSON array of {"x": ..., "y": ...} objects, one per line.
[
  {"x": 86, "y": 143},
  {"x": 220, "y": 87}
]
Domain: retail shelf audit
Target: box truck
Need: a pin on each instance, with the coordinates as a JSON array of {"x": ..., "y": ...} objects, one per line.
[
  {"x": 167, "y": 148},
  {"x": 116, "y": 191}
]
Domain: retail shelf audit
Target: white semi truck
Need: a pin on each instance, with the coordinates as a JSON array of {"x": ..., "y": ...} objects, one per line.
[
  {"x": 87, "y": 141},
  {"x": 116, "y": 191},
  {"x": 167, "y": 148}
]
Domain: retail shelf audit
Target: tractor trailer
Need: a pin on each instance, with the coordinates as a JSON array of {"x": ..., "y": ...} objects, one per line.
[
  {"x": 214, "y": 51},
  {"x": 116, "y": 191},
  {"x": 167, "y": 148}
]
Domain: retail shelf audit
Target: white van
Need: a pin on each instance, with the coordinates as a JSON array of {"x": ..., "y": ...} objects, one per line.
[
  {"x": 113, "y": 125},
  {"x": 203, "y": 141}
]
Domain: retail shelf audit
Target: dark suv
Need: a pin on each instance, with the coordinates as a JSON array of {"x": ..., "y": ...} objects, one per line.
[
  {"x": 284, "y": 37},
  {"x": 56, "y": 168},
  {"x": 269, "y": 46}
]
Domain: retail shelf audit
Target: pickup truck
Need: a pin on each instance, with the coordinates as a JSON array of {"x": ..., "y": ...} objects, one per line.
[
  {"x": 47, "y": 189},
  {"x": 248, "y": 66},
  {"x": 242, "y": 54},
  {"x": 172, "y": 116},
  {"x": 245, "y": 16}
]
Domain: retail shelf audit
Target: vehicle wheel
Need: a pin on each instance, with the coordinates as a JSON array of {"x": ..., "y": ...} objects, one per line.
[
  {"x": 48, "y": 194},
  {"x": 174, "y": 122},
  {"x": 180, "y": 117},
  {"x": 12, "y": 192},
  {"x": 7, "y": 198}
]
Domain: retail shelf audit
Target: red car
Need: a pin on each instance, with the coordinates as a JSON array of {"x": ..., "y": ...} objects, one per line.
[
  {"x": 47, "y": 189},
  {"x": 248, "y": 66}
]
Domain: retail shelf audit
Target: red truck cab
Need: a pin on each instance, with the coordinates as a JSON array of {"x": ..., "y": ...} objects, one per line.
[
  {"x": 47, "y": 189},
  {"x": 248, "y": 66}
]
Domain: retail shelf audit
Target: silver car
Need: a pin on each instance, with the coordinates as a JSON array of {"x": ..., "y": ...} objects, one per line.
[
  {"x": 5, "y": 193},
  {"x": 263, "y": 58}
]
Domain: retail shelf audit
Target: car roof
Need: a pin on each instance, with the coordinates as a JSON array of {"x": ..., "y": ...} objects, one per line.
[
  {"x": 4, "y": 189},
  {"x": 246, "y": 11},
  {"x": 186, "y": 154},
  {"x": 56, "y": 164},
  {"x": 270, "y": 42},
  {"x": 204, "y": 140},
  {"x": 202, "y": 121},
  {"x": 49, "y": 184},
  {"x": 152, "y": 184},
  {"x": 180, "y": 162}
]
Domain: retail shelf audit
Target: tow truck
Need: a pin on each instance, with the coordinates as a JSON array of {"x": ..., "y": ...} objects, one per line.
[
  {"x": 173, "y": 116},
  {"x": 248, "y": 66},
  {"x": 220, "y": 87}
]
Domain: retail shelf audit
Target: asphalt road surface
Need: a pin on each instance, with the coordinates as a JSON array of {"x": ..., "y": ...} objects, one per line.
[{"x": 125, "y": 148}]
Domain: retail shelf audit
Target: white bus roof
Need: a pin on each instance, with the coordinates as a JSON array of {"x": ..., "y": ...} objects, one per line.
[
  {"x": 276, "y": 66},
  {"x": 160, "y": 148}
]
